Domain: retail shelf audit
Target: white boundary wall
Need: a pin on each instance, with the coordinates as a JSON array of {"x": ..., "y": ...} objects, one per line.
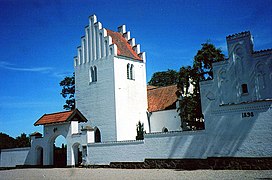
[
  {"x": 227, "y": 134},
  {"x": 13, "y": 157}
]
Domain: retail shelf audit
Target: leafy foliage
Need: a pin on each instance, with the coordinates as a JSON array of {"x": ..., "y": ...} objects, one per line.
[
  {"x": 9, "y": 142},
  {"x": 6, "y": 141},
  {"x": 140, "y": 131},
  {"x": 164, "y": 78},
  {"x": 190, "y": 103},
  {"x": 22, "y": 141},
  {"x": 68, "y": 92},
  {"x": 204, "y": 58}
]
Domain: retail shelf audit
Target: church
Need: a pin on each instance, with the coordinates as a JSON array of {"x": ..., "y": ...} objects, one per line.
[{"x": 112, "y": 96}]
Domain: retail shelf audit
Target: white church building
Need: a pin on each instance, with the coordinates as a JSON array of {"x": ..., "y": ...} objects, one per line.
[{"x": 112, "y": 96}]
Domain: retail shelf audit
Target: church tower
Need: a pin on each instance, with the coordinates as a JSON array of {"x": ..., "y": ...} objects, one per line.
[{"x": 110, "y": 78}]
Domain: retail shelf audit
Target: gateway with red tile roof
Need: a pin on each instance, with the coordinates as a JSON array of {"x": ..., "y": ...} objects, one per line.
[{"x": 61, "y": 117}]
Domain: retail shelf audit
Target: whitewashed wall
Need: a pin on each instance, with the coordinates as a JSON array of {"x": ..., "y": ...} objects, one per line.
[
  {"x": 96, "y": 100},
  {"x": 13, "y": 157},
  {"x": 165, "y": 119},
  {"x": 130, "y": 98},
  {"x": 239, "y": 123},
  {"x": 227, "y": 134}
]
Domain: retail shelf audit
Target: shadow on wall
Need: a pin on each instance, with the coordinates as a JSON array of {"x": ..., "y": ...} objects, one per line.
[{"x": 232, "y": 135}]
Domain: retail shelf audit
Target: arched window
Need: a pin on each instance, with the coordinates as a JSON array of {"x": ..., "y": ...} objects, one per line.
[
  {"x": 91, "y": 74},
  {"x": 128, "y": 71},
  {"x": 95, "y": 74},
  {"x": 106, "y": 47},
  {"x": 97, "y": 136},
  {"x": 164, "y": 129},
  {"x": 132, "y": 72},
  {"x": 244, "y": 89}
]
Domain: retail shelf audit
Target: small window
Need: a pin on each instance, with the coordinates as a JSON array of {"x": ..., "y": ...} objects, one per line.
[
  {"x": 244, "y": 89},
  {"x": 164, "y": 129},
  {"x": 106, "y": 47},
  {"x": 130, "y": 71},
  {"x": 93, "y": 74}
]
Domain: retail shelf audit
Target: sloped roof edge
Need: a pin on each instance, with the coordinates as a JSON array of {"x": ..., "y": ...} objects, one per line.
[{"x": 60, "y": 117}]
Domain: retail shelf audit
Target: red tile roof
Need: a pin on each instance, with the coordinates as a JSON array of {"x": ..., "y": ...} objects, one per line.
[
  {"x": 37, "y": 134},
  {"x": 60, "y": 117},
  {"x": 161, "y": 98},
  {"x": 123, "y": 47}
]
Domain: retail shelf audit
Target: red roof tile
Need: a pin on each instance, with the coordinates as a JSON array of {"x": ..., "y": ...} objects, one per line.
[
  {"x": 161, "y": 98},
  {"x": 123, "y": 47},
  {"x": 59, "y": 117}
]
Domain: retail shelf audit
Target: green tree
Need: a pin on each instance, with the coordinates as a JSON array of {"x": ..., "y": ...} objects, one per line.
[
  {"x": 164, "y": 78},
  {"x": 190, "y": 103},
  {"x": 6, "y": 141},
  {"x": 68, "y": 92},
  {"x": 204, "y": 58},
  {"x": 140, "y": 131},
  {"x": 186, "y": 100},
  {"x": 22, "y": 141}
]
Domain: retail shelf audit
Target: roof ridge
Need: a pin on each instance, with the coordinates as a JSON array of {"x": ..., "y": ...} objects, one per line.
[
  {"x": 60, "y": 117},
  {"x": 129, "y": 43},
  {"x": 60, "y": 112}
]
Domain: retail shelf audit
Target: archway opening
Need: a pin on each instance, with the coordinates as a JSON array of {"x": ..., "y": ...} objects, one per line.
[
  {"x": 39, "y": 156},
  {"x": 77, "y": 155},
  {"x": 164, "y": 129},
  {"x": 97, "y": 136},
  {"x": 60, "y": 152}
]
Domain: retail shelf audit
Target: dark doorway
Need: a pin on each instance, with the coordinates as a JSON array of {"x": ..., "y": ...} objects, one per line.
[
  {"x": 39, "y": 156},
  {"x": 60, "y": 156},
  {"x": 97, "y": 136},
  {"x": 60, "y": 152}
]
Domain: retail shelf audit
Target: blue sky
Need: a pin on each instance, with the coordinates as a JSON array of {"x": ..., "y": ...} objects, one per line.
[{"x": 38, "y": 41}]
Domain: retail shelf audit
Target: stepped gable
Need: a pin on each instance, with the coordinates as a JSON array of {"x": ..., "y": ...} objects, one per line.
[
  {"x": 161, "y": 98},
  {"x": 123, "y": 47},
  {"x": 98, "y": 43},
  {"x": 61, "y": 117}
]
